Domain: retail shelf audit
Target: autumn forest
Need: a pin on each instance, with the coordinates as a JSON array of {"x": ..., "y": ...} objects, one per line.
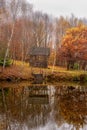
[
  {"x": 22, "y": 28},
  {"x": 43, "y": 69}
]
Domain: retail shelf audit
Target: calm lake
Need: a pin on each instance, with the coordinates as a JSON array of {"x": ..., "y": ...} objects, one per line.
[{"x": 43, "y": 107}]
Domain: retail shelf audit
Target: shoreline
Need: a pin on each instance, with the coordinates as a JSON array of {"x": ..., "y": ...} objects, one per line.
[
  {"x": 54, "y": 77},
  {"x": 17, "y": 73}
]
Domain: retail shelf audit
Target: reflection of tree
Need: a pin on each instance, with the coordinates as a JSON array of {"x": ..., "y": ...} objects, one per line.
[
  {"x": 38, "y": 115},
  {"x": 73, "y": 106},
  {"x": 3, "y": 104},
  {"x": 19, "y": 110},
  {"x": 58, "y": 92}
]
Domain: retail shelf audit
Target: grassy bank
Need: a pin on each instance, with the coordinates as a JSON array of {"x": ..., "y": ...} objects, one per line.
[{"x": 22, "y": 71}]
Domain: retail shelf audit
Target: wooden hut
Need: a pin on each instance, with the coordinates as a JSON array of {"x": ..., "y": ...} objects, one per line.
[{"x": 38, "y": 57}]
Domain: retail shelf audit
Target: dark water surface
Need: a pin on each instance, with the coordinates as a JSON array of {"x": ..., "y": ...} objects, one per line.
[{"x": 43, "y": 107}]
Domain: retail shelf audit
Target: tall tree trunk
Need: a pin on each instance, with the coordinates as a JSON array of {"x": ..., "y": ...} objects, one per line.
[{"x": 8, "y": 45}]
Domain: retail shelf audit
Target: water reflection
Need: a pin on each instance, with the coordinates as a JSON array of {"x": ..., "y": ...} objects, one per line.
[
  {"x": 71, "y": 106},
  {"x": 43, "y": 107}
]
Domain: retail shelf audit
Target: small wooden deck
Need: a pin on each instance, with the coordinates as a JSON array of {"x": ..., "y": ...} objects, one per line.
[{"x": 38, "y": 78}]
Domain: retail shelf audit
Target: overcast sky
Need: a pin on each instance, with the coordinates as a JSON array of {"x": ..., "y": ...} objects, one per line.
[{"x": 61, "y": 7}]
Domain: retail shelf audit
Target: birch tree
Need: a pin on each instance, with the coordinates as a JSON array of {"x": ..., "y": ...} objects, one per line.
[
  {"x": 13, "y": 6},
  {"x": 26, "y": 14}
]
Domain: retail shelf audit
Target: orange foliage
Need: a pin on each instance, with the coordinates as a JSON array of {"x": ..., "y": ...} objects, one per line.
[{"x": 74, "y": 44}]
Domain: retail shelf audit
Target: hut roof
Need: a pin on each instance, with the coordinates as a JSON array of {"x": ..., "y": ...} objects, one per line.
[{"x": 40, "y": 51}]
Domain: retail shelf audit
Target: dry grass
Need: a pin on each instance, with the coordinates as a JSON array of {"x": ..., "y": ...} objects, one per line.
[
  {"x": 21, "y": 70},
  {"x": 18, "y": 70}
]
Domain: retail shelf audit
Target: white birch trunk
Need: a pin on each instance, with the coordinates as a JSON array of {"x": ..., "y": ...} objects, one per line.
[{"x": 8, "y": 45}]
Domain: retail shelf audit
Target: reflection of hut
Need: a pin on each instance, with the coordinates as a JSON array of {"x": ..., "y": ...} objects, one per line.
[
  {"x": 38, "y": 95},
  {"x": 39, "y": 57}
]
